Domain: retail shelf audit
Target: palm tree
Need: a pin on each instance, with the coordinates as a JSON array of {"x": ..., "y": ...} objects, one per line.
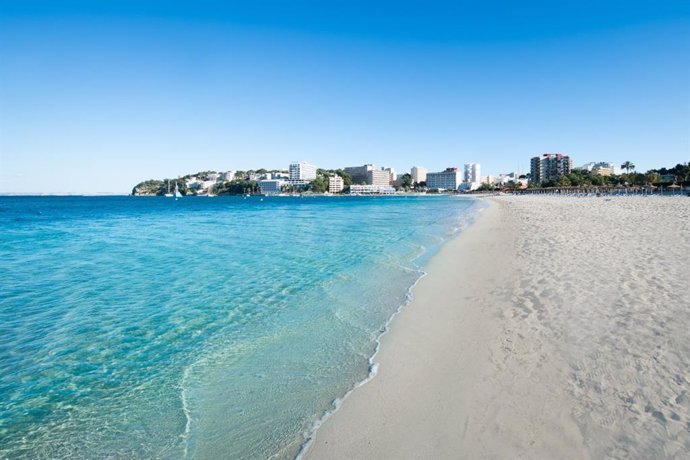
[{"x": 628, "y": 166}]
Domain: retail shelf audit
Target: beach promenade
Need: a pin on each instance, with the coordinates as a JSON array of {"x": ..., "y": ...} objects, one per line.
[{"x": 554, "y": 327}]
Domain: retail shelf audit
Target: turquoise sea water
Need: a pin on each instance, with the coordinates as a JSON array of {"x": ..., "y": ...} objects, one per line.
[{"x": 135, "y": 327}]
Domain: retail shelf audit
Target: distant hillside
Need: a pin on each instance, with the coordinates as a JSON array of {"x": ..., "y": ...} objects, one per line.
[
  {"x": 150, "y": 187},
  {"x": 213, "y": 182},
  {"x": 155, "y": 187},
  {"x": 201, "y": 183}
]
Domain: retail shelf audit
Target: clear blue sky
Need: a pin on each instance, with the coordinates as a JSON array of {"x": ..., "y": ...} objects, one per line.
[{"x": 98, "y": 95}]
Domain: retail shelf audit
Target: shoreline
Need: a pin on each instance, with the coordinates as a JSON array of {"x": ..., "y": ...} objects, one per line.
[
  {"x": 503, "y": 354},
  {"x": 361, "y": 427},
  {"x": 373, "y": 365}
]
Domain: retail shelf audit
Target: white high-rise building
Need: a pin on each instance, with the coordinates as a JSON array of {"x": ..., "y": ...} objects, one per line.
[
  {"x": 418, "y": 174},
  {"x": 472, "y": 173},
  {"x": 302, "y": 172}
]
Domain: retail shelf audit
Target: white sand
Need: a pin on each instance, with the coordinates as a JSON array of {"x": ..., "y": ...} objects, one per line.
[{"x": 553, "y": 328}]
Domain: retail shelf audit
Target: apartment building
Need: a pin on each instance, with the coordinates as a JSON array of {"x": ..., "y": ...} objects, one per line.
[
  {"x": 450, "y": 179},
  {"x": 335, "y": 184},
  {"x": 549, "y": 166}
]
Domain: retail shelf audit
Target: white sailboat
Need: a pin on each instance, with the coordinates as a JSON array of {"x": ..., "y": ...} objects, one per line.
[
  {"x": 177, "y": 192},
  {"x": 169, "y": 194}
]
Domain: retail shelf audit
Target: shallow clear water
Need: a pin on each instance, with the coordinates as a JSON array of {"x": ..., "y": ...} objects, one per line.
[{"x": 225, "y": 327}]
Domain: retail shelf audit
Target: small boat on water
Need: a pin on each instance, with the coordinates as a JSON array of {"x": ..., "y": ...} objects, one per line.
[
  {"x": 169, "y": 194},
  {"x": 177, "y": 192}
]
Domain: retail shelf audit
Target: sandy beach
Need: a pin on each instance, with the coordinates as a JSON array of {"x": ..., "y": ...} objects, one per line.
[{"x": 554, "y": 327}]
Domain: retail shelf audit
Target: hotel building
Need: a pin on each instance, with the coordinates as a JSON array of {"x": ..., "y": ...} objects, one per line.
[
  {"x": 391, "y": 173},
  {"x": 335, "y": 184},
  {"x": 489, "y": 180},
  {"x": 301, "y": 173},
  {"x": 359, "y": 173},
  {"x": 379, "y": 177},
  {"x": 369, "y": 175},
  {"x": 449, "y": 179},
  {"x": 602, "y": 168},
  {"x": 418, "y": 174},
  {"x": 549, "y": 166},
  {"x": 271, "y": 186},
  {"x": 472, "y": 173},
  {"x": 371, "y": 190},
  {"x": 471, "y": 176}
]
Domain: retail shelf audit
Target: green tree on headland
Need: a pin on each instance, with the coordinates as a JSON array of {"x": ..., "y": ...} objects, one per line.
[
  {"x": 237, "y": 187},
  {"x": 149, "y": 187},
  {"x": 347, "y": 178},
  {"x": 320, "y": 184},
  {"x": 155, "y": 187}
]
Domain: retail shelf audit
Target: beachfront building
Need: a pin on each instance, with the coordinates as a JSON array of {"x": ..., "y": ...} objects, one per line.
[
  {"x": 601, "y": 168},
  {"x": 335, "y": 184},
  {"x": 301, "y": 173},
  {"x": 489, "y": 180},
  {"x": 391, "y": 174},
  {"x": 357, "y": 189},
  {"x": 379, "y": 177},
  {"x": 359, "y": 173},
  {"x": 271, "y": 186},
  {"x": 550, "y": 166},
  {"x": 472, "y": 173},
  {"x": 398, "y": 180},
  {"x": 418, "y": 174},
  {"x": 472, "y": 176},
  {"x": 507, "y": 178},
  {"x": 228, "y": 175},
  {"x": 369, "y": 175},
  {"x": 450, "y": 179}
]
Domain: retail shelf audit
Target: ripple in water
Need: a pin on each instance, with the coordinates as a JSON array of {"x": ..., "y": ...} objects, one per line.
[{"x": 146, "y": 327}]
